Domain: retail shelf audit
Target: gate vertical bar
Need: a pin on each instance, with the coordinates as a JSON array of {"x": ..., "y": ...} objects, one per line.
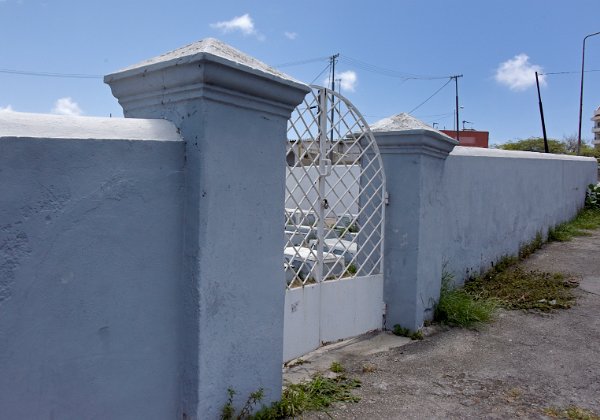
[{"x": 322, "y": 174}]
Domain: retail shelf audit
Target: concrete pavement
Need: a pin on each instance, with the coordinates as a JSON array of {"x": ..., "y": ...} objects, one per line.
[{"x": 515, "y": 367}]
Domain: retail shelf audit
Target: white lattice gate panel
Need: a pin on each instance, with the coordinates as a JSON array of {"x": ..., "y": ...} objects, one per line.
[{"x": 335, "y": 193}]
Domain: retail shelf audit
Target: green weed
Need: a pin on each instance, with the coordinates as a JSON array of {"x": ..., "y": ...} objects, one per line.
[
  {"x": 592, "y": 197},
  {"x": 315, "y": 395},
  {"x": 456, "y": 307},
  {"x": 336, "y": 367},
  {"x": 587, "y": 219},
  {"x": 528, "y": 249},
  {"x": 405, "y": 332},
  {"x": 571, "y": 413},
  {"x": 516, "y": 288},
  {"x": 318, "y": 394},
  {"x": 351, "y": 270},
  {"x": 228, "y": 411}
]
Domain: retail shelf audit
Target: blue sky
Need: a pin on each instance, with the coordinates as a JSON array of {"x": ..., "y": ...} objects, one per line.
[{"x": 427, "y": 38}]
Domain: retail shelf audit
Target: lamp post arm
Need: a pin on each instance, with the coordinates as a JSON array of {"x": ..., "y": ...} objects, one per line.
[{"x": 581, "y": 90}]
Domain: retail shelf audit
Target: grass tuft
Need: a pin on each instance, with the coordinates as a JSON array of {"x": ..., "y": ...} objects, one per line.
[
  {"x": 316, "y": 395},
  {"x": 336, "y": 367},
  {"x": 571, "y": 413},
  {"x": 456, "y": 307},
  {"x": 516, "y": 288},
  {"x": 587, "y": 219},
  {"x": 528, "y": 249},
  {"x": 405, "y": 332}
]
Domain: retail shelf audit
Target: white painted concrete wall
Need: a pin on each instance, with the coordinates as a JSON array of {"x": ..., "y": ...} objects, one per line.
[
  {"x": 91, "y": 234},
  {"x": 495, "y": 201}
]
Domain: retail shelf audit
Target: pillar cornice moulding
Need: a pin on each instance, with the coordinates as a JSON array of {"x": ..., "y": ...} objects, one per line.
[
  {"x": 206, "y": 69},
  {"x": 415, "y": 142}
]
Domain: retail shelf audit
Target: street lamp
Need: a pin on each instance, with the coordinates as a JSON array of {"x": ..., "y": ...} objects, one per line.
[{"x": 581, "y": 91}]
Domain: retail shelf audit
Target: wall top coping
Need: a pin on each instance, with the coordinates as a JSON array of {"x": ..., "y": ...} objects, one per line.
[
  {"x": 210, "y": 49},
  {"x": 515, "y": 154},
  {"x": 46, "y": 126}
]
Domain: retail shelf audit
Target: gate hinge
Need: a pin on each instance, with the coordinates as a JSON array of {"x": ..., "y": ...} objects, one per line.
[{"x": 386, "y": 198}]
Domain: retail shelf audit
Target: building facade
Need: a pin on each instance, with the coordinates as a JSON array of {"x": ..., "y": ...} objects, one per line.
[
  {"x": 470, "y": 138},
  {"x": 596, "y": 128}
]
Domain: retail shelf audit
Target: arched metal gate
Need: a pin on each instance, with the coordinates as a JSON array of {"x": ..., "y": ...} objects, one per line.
[{"x": 334, "y": 215}]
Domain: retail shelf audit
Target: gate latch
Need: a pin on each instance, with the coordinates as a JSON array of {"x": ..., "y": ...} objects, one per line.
[
  {"x": 325, "y": 170},
  {"x": 325, "y": 203}
]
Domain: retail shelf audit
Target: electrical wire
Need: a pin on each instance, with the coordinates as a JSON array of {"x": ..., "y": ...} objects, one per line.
[
  {"x": 50, "y": 74},
  {"x": 446, "y": 114},
  {"x": 432, "y": 95},
  {"x": 567, "y": 72},
  {"x": 301, "y": 62},
  {"x": 327, "y": 67},
  {"x": 387, "y": 72}
]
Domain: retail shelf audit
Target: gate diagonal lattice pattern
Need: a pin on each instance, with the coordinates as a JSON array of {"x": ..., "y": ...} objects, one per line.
[{"x": 335, "y": 193}]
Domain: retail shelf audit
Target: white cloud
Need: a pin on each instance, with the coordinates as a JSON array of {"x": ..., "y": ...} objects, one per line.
[
  {"x": 6, "y": 108},
  {"x": 518, "y": 73},
  {"x": 66, "y": 106},
  {"x": 243, "y": 24},
  {"x": 347, "y": 80},
  {"x": 291, "y": 35}
]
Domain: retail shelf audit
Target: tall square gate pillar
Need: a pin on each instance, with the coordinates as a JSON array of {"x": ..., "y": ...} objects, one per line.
[
  {"x": 232, "y": 112},
  {"x": 413, "y": 156}
]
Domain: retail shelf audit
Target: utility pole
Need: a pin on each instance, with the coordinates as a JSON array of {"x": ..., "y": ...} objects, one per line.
[
  {"x": 537, "y": 82},
  {"x": 455, "y": 77},
  {"x": 333, "y": 60}
]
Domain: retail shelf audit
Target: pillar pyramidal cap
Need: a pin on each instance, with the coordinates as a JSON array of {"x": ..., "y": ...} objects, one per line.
[
  {"x": 205, "y": 69},
  {"x": 401, "y": 122},
  {"x": 209, "y": 49},
  {"x": 403, "y": 133}
]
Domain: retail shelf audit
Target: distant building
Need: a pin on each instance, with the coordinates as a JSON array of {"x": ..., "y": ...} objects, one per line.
[
  {"x": 596, "y": 128},
  {"x": 470, "y": 138}
]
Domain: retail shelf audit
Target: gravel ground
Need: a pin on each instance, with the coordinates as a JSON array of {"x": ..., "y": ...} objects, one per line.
[{"x": 515, "y": 367}]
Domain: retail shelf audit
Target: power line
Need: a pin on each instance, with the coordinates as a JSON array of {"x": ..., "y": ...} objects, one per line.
[
  {"x": 51, "y": 74},
  {"x": 301, "y": 62},
  {"x": 432, "y": 95},
  {"x": 387, "y": 72},
  {"x": 364, "y": 66},
  {"x": 446, "y": 114},
  {"x": 567, "y": 72},
  {"x": 322, "y": 71}
]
